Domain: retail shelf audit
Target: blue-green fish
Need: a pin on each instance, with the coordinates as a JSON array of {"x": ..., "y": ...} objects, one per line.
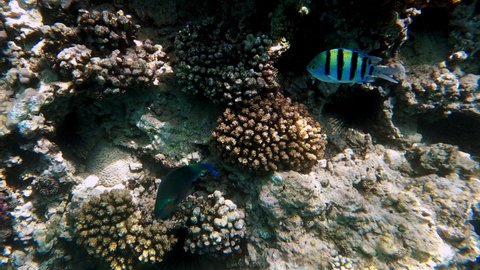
[
  {"x": 175, "y": 186},
  {"x": 349, "y": 66}
]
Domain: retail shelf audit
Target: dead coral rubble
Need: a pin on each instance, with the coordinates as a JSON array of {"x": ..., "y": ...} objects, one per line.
[
  {"x": 224, "y": 66},
  {"x": 270, "y": 133}
]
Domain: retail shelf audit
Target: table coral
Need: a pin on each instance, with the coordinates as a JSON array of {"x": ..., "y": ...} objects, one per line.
[
  {"x": 270, "y": 133},
  {"x": 225, "y": 66}
]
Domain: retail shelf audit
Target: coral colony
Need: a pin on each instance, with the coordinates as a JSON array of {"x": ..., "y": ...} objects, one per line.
[{"x": 287, "y": 134}]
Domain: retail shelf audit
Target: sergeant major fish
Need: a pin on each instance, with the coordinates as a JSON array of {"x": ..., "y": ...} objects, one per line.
[
  {"x": 175, "y": 186},
  {"x": 349, "y": 66}
]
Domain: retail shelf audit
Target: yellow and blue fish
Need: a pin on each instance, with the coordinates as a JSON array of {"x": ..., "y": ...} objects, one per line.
[{"x": 349, "y": 66}]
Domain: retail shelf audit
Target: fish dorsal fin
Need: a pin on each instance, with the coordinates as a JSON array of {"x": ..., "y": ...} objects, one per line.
[{"x": 375, "y": 59}]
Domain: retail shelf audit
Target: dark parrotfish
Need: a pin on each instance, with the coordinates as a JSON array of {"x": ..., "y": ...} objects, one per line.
[{"x": 175, "y": 186}]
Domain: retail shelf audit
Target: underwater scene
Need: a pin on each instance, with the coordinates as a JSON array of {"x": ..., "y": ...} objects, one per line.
[{"x": 239, "y": 134}]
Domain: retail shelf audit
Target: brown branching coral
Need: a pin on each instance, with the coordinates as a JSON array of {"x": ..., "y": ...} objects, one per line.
[
  {"x": 224, "y": 66},
  {"x": 270, "y": 133},
  {"x": 109, "y": 228}
]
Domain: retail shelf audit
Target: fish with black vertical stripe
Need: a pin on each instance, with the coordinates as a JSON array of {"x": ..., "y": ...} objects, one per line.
[{"x": 349, "y": 66}]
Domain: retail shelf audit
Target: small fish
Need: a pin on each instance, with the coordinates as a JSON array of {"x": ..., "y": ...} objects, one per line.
[
  {"x": 175, "y": 186},
  {"x": 349, "y": 66}
]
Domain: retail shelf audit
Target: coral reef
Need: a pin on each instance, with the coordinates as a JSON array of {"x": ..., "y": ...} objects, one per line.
[
  {"x": 270, "y": 133},
  {"x": 104, "y": 225},
  {"x": 384, "y": 224},
  {"x": 465, "y": 34},
  {"x": 113, "y": 166},
  {"x": 109, "y": 57},
  {"x": 341, "y": 263},
  {"x": 5, "y": 218},
  {"x": 439, "y": 91},
  {"x": 46, "y": 187},
  {"x": 108, "y": 227},
  {"x": 225, "y": 66},
  {"x": 441, "y": 159},
  {"x": 215, "y": 224},
  {"x": 91, "y": 120},
  {"x": 175, "y": 125}
]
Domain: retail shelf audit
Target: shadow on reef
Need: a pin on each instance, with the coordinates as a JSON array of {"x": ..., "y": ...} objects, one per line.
[
  {"x": 18, "y": 161},
  {"x": 87, "y": 120},
  {"x": 179, "y": 259},
  {"x": 457, "y": 129},
  {"x": 353, "y": 107},
  {"x": 428, "y": 30}
]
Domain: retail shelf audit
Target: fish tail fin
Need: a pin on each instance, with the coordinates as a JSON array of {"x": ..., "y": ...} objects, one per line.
[
  {"x": 386, "y": 73},
  {"x": 210, "y": 168}
]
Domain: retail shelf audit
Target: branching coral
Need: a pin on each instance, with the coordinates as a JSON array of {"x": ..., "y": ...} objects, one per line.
[
  {"x": 224, "y": 66},
  {"x": 102, "y": 50},
  {"x": 109, "y": 228},
  {"x": 106, "y": 30},
  {"x": 215, "y": 225},
  {"x": 270, "y": 133},
  {"x": 153, "y": 242}
]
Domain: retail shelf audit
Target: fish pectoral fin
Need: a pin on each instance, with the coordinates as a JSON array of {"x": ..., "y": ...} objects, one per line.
[
  {"x": 386, "y": 73},
  {"x": 375, "y": 59},
  {"x": 386, "y": 77}
]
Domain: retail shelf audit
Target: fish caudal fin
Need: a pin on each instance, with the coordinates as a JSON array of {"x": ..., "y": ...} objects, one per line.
[
  {"x": 210, "y": 168},
  {"x": 386, "y": 73}
]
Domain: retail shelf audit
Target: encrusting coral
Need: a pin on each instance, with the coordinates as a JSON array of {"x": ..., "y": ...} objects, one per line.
[
  {"x": 109, "y": 228},
  {"x": 215, "y": 224},
  {"x": 270, "y": 133},
  {"x": 224, "y": 66}
]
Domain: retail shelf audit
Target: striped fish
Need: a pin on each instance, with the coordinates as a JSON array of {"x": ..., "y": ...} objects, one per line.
[{"x": 349, "y": 66}]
